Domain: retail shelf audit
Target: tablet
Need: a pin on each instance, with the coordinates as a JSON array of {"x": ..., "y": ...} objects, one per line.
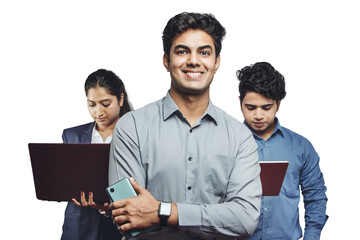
[
  {"x": 62, "y": 170},
  {"x": 272, "y": 176}
]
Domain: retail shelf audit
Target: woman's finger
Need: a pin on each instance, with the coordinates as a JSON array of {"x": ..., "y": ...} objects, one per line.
[
  {"x": 91, "y": 199},
  {"x": 76, "y": 202},
  {"x": 83, "y": 200}
]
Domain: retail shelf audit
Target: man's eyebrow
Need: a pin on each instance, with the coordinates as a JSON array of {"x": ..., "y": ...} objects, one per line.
[
  {"x": 267, "y": 105},
  {"x": 249, "y": 105},
  {"x": 187, "y": 48},
  {"x": 181, "y": 46},
  {"x": 205, "y": 46}
]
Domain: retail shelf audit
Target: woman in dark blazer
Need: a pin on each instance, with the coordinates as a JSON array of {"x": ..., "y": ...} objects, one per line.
[{"x": 107, "y": 102}]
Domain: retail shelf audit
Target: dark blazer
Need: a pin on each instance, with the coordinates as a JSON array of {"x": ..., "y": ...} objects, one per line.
[{"x": 85, "y": 223}]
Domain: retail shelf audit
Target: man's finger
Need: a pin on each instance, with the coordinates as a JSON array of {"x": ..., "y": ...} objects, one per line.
[
  {"x": 125, "y": 227},
  {"x": 136, "y": 186},
  {"x": 118, "y": 204},
  {"x": 119, "y": 220}
]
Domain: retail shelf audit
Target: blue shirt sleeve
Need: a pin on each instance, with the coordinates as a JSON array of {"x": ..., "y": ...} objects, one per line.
[{"x": 313, "y": 190}]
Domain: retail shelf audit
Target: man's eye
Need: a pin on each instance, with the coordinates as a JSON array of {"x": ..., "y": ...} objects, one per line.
[
  {"x": 106, "y": 105},
  {"x": 205, "y": 53},
  {"x": 181, "y": 52},
  {"x": 267, "y": 108},
  {"x": 91, "y": 105},
  {"x": 251, "y": 108}
]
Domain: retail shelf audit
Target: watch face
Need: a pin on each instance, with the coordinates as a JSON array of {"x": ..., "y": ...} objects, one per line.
[{"x": 165, "y": 209}]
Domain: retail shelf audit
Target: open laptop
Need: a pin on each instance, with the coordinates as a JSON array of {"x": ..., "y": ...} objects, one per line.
[
  {"x": 61, "y": 171},
  {"x": 272, "y": 176}
]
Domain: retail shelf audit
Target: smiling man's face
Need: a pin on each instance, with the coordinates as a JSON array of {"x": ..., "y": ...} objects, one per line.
[{"x": 192, "y": 62}]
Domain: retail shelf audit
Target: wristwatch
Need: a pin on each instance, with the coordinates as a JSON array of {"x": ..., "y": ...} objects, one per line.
[{"x": 164, "y": 213}]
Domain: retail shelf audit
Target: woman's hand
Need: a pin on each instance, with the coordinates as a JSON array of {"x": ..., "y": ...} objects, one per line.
[{"x": 90, "y": 203}]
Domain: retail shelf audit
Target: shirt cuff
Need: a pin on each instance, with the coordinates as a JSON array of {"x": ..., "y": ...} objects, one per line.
[
  {"x": 311, "y": 235},
  {"x": 188, "y": 215}
]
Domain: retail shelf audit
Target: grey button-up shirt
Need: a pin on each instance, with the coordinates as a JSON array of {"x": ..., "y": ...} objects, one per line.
[{"x": 210, "y": 170}]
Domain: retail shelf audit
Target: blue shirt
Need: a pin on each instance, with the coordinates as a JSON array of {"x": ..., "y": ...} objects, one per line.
[
  {"x": 210, "y": 170},
  {"x": 279, "y": 217}
]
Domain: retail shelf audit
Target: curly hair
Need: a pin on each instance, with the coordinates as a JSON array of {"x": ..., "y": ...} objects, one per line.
[
  {"x": 180, "y": 23},
  {"x": 261, "y": 78},
  {"x": 112, "y": 83}
]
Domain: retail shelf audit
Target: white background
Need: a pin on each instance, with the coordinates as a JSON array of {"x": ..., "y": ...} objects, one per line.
[{"x": 48, "y": 48}]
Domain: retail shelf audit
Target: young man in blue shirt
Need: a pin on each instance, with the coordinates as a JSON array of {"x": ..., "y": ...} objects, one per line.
[{"x": 261, "y": 90}]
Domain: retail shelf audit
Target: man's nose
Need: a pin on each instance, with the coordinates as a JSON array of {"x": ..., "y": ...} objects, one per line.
[
  {"x": 193, "y": 60},
  {"x": 258, "y": 114}
]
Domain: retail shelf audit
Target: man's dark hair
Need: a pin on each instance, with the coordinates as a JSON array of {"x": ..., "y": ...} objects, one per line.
[
  {"x": 261, "y": 78},
  {"x": 184, "y": 21}
]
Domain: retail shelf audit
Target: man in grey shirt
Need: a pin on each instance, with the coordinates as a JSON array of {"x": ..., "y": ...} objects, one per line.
[{"x": 196, "y": 168}]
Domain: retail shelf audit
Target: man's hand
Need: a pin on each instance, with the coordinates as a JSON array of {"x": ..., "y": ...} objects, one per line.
[{"x": 137, "y": 212}]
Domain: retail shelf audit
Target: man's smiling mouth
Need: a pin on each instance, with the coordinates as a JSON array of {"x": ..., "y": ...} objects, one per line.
[{"x": 193, "y": 74}]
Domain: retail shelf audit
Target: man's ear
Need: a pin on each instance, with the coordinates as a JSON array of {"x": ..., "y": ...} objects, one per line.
[
  {"x": 217, "y": 62},
  {"x": 240, "y": 103},
  {"x": 166, "y": 62},
  {"x": 278, "y": 105}
]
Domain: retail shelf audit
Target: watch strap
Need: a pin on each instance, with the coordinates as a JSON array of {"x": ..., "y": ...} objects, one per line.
[{"x": 164, "y": 216}]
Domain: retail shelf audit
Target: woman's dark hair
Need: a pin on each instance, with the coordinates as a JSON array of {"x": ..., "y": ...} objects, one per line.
[
  {"x": 261, "y": 78},
  {"x": 184, "y": 21},
  {"x": 112, "y": 83}
]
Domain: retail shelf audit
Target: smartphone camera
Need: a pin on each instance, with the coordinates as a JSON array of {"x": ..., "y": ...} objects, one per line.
[{"x": 112, "y": 190}]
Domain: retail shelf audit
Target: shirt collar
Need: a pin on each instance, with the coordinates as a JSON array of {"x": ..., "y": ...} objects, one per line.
[
  {"x": 96, "y": 137},
  {"x": 278, "y": 128},
  {"x": 169, "y": 108}
]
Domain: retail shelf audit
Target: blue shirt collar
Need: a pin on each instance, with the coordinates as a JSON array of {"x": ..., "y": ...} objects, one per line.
[
  {"x": 169, "y": 108},
  {"x": 278, "y": 128}
]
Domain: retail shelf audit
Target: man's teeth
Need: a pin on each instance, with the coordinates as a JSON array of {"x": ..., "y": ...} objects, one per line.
[{"x": 193, "y": 73}]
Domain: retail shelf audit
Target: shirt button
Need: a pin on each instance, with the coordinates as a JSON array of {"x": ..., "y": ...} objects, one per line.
[
  {"x": 265, "y": 209},
  {"x": 190, "y": 158},
  {"x": 189, "y": 187}
]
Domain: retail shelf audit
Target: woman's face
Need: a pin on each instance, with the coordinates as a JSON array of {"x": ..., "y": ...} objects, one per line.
[{"x": 103, "y": 107}]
